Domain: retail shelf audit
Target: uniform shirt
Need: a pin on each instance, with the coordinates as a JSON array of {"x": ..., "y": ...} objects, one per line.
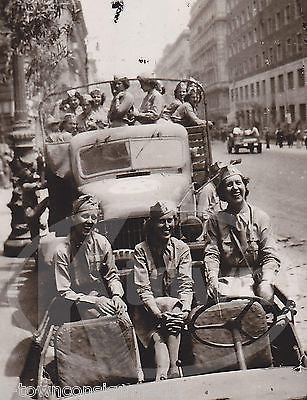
[
  {"x": 99, "y": 116},
  {"x": 208, "y": 202},
  {"x": 186, "y": 115},
  {"x": 173, "y": 278},
  {"x": 79, "y": 270},
  {"x": 253, "y": 230},
  {"x": 120, "y": 108},
  {"x": 151, "y": 107},
  {"x": 170, "y": 109}
]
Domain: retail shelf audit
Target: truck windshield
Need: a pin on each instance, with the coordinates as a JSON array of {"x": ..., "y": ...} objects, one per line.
[{"x": 133, "y": 154}]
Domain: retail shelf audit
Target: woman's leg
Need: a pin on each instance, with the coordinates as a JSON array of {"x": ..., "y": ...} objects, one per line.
[
  {"x": 173, "y": 343},
  {"x": 161, "y": 356}
]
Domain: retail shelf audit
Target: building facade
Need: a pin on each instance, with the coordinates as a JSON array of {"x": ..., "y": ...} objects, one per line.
[
  {"x": 208, "y": 27},
  {"x": 266, "y": 62},
  {"x": 175, "y": 62}
]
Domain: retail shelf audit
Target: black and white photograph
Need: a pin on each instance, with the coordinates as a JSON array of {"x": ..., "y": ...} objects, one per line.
[{"x": 153, "y": 199}]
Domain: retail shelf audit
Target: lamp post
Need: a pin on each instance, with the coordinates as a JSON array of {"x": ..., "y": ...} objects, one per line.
[{"x": 22, "y": 138}]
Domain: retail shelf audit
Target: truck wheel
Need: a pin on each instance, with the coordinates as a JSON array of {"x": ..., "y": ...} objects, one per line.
[
  {"x": 251, "y": 149},
  {"x": 236, "y": 149},
  {"x": 259, "y": 148}
]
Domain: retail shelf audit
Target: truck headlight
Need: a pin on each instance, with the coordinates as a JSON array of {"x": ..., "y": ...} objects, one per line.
[{"x": 191, "y": 228}]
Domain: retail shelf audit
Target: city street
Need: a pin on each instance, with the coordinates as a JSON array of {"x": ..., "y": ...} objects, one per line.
[{"x": 278, "y": 185}]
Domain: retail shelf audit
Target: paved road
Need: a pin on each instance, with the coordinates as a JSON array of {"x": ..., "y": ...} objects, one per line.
[{"x": 278, "y": 185}]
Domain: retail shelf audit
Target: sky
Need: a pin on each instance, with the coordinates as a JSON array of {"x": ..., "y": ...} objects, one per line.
[{"x": 143, "y": 30}]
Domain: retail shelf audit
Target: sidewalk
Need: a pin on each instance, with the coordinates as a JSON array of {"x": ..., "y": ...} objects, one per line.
[{"x": 16, "y": 328}]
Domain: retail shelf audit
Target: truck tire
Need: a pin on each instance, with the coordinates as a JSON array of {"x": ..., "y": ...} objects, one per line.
[
  {"x": 259, "y": 148},
  {"x": 236, "y": 149},
  {"x": 251, "y": 149}
]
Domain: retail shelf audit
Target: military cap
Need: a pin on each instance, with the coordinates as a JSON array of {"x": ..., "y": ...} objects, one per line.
[{"x": 160, "y": 209}]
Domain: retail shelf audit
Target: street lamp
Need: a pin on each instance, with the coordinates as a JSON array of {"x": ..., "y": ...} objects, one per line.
[{"x": 22, "y": 138}]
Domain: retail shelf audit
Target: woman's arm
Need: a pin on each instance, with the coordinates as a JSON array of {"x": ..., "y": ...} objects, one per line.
[
  {"x": 142, "y": 281},
  {"x": 212, "y": 256}
]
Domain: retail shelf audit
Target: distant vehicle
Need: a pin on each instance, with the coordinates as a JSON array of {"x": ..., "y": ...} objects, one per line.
[{"x": 243, "y": 139}]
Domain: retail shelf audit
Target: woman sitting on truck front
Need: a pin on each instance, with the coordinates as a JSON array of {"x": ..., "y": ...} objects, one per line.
[
  {"x": 240, "y": 258},
  {"x": 163, "y": 276}
]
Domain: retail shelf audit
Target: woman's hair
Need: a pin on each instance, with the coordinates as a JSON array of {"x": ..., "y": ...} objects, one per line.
[
  {"x": 103, "y": 96},
  {"x": 67, "y": 117},
  {"x": 178, "y": 87},
  {"x": 221, "y": 188}
]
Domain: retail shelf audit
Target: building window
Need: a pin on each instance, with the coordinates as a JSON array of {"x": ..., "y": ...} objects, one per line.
[
  {"x": 273, "y": 114},
  {"x": 281, "y": 83},
  {"x": 264, "y": 60},
  {"x": 302, "y": 111},
  {"x": 255, "y": 35},
  {"x": 246, "y": 92},
  {"x": 252, "y": 90},
  {"x": 244, "y": 42},
  {"x": 282, "y": 113},
  {"x": 278, "y": 21},
  {"x": 289, "y": 47},
  {"x": 279, "y": 52},
  {"x": 292, "y": 112},
  {"x": 270, "y": 26},
  {"x": 251, "y": 64},
  {"x": 241, "y": 93},
  {"x": 298, "y": 9},
  {"x": 301, "y": 77},
  {"x": 271, "y": 55},
  {"x": 232, "y": 94},
  {"x": 272, "y": 83},
  {"x": 258, "y": 89},
  {"x": 263, "y": 87},
  {"x": 287, "y": 14},
  {"x": 262, "y": 30},
  {"x": 257, "y": 59},
  {"x": 237, "y": 94},
  {"x": 290, "y": 80},
  {"x": 299, "y": 42}
]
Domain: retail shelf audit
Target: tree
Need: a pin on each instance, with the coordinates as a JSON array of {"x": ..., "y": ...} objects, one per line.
[{"x": 40, "y": 30}]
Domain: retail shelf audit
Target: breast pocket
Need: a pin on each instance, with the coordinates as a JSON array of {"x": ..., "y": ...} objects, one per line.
[{"x": 96, "y": 264}]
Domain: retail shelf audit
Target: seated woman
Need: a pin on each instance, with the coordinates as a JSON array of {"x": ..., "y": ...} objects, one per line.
[
  {"x": 84, "y": 263},
  {"x": 185, "y": 114},
  {"x": 163, "y": 276},
  {"x": 86, "y": 120},
  {"x": 99, "y": 114},
  {"x": 67, "y": 129},
  {"x": 240, "y": 258},
  {"x": 179, "y": 93},
  {"x": 152, "y": 105},
  {"x": 121, "y": 108}
]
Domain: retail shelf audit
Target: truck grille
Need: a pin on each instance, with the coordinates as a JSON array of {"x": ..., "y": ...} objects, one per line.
[{"x": 123, "y": 233}]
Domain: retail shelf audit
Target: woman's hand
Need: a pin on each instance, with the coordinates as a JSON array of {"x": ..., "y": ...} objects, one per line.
[
  {"x": 265, "y": 290},
  {"x": 119, "y": 304},
  {"x": 105, "y": 305}
]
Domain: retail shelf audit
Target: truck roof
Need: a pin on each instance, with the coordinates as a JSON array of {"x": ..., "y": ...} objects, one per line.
[{"x": 166, "y": 129}]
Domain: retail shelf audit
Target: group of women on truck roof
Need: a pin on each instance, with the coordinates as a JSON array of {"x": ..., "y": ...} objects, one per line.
[
  {"x": 84, "y": 112},
  {"x": 240, "y": 259}
]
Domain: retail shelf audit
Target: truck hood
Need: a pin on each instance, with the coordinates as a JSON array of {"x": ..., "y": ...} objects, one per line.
[{"x": 132, "y": 196}]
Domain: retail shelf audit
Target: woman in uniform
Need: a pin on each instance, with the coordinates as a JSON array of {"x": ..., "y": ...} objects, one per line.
[{"x": 240, "y": 258}]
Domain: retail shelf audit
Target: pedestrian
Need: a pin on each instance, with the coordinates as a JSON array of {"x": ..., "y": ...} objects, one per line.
[
  {"x": 279, "y": 137},
  {"x": 152, "y": 105},
  {"x": 85, "y": 270},
  {"x": 163, "y": 276},
  {"x": 290, "y": 139},
  {"x": 241, "y": 248},
  {"x": 122, "y": 105},
  {"x": 267, "y": 137},
  {"x": 305, "y": 138}
]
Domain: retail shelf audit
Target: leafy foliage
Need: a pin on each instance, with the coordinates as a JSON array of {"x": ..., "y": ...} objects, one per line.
[{"x": 39, "y": 29}]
